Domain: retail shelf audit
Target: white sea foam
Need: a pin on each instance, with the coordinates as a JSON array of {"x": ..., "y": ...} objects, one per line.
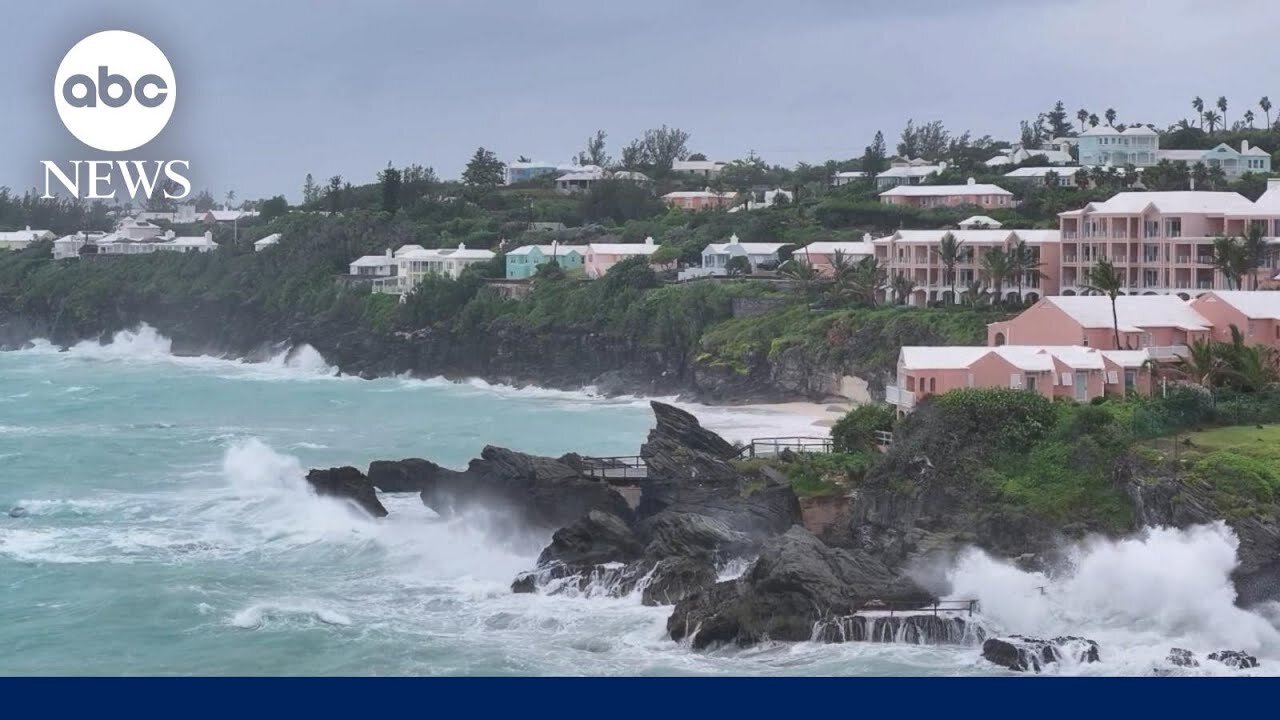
[{"x": 1137, "y": 597}]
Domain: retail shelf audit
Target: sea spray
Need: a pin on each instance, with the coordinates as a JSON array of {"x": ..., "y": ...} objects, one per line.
[{"x": 1137, "y": 596}]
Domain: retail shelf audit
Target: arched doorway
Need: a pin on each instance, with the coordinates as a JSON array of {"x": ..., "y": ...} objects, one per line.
[
  {"x": 1033, "y": 298},
  {"x": 1184, "y": 296},
  {"x": 1000, "y": 339}
]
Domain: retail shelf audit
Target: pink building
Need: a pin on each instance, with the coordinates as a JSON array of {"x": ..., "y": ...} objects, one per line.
[
  {"x": 914, "y": 253},
  {"x": 821, "y": 255},
  {"x": 1162, "y": 242},
  {"x": 1256, "y": 314},
  {"x": 1163, "y": 325},
  {"x": 1072, "y": 372},
  {"x": 699, "y": 199},
  {"x": 972, "y": 193},
  {"x": 602, "y": 256}
]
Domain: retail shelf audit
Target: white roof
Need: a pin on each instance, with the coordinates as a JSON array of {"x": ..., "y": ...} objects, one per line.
[
  {"x": 695, "y": 165},
  {"x": 1133, "y": 312},
  {"x": 406, "y": 249},
  {"x": 549, "y": 249},
  {"x": 749, "y": 248},
  {"x": 910, "y": 171},
  {"x": 1138, "y": 130},
  {"x": 629, "y": 175},
  {"x": 468, "y": 254},
  {"x": 936, "y": 190},
  {"x": 1100, "y": 130},
  {"x": 851, "y": 174},
  {"x": 623, "y": 248},
  {"x": 27, "y": 235},
  {"x": 517, "y": 165},
  {"x": 1022, "y": 172},
  {"x": 980, "y": 220},
  {"x": 699, "y": 193},
  {"x": 226, "y": 215},
  {"x": 581, "y": 175},
  {"x": 1126, "y": 358},
  {"x": 373, "y": 261},
  {"x": 1175, "y": 201},
  {"x": 849, "y": 248},
  {"x": 194, "y": 241},
  {"x": 1254, "y": 304},
  {"x": 973, "y": 236},
  {"x": 271, "y": 239},
  {"x": 1029, "y": 358},
  {"x": 1270, "y": 200},
  {"x": 1180, "y": 155}
]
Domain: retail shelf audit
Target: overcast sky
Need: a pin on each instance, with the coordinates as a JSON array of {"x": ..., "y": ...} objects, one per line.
[{"x": 271, "y": 90}]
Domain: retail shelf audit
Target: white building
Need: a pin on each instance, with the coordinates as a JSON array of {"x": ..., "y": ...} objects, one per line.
[
  {"x": 907, "y": 172},
  {"x": 266, "y": 242},
  {"x": 68, "y": 246},
  {"x": 19, "y": 239},
  {"x": 1065, "y": 176},
  {"x": 374, "y": 265},
  {"x": 579, "y": 180},
  {"x": 121, "y": 244},
  {"x": 980, "y": 222},
  {"x": 763, "y": 199},
  {"x": 846, "y": 177},
  {"x": 716, "y": 257},
  {"x": 702, "y": 168},
  {"x": 413, "y": 264}
]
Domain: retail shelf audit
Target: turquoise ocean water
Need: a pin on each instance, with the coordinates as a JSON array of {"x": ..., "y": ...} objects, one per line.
[{"x": 164, "y": 528}]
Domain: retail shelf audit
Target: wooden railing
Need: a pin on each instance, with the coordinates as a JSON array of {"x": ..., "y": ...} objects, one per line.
[
  {"x": 772, "y": 447},
  {"x": 619, "y": 469}
]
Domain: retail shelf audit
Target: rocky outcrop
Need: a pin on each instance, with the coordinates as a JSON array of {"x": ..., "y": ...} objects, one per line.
[
  {"x": 350, "y": 484},
  {"x": 697, "y": 509},
  {"x": 923, "y": 628},
  {"x": 533, "y": 492},
  {"x": 1022, "y": 654},
  {"x": 796, "y": 583},
  {"x": 1234, "y": 659},
  {"x": 1181, "y": 657}
]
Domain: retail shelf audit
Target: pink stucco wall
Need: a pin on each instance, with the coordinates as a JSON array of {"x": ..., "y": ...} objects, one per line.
[{"x": 1224, "y": 315}]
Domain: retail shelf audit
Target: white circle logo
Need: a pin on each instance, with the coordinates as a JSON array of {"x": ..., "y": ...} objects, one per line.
[{"x": 115, "y": 91}]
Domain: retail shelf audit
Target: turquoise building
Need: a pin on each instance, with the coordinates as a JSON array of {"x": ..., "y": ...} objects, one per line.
[{"x": 524, "y": 261}]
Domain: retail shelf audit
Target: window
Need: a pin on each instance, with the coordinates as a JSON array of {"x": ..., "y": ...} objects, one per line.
[
  {"x": 911, "y": 383},
  {"x": 1173, "y": 227},
  {"x": 1015, "y": 381},
  {"x": 933, "y": 384}
]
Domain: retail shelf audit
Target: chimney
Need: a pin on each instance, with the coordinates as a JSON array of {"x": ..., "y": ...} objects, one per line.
[
  {"x": 866, "y": 237},
  {"x": 648, "y": 240},
  {"x": 208, "y": 235},
  {"x": 1244, "y": 146},
  {"x": 972, "y": 181},
  {"x": 390, "y": 255},
  {"x": 28, "y": 228},
  {"x": 733, "y": 239},
  {"x": 462, "y": 246}
]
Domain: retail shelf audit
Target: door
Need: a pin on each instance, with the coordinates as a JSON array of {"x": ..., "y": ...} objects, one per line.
[{"x": 1082, "y": 386}]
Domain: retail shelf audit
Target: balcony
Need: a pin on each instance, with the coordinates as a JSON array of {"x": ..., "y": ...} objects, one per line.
[{"x": 902, "y": 398}]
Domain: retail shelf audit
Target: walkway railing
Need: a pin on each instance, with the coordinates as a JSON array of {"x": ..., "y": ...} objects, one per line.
[
  {"x": 619, "y": 469},
  {"x": 944, "y": 606},
  {"x": 772, "y": 447}
]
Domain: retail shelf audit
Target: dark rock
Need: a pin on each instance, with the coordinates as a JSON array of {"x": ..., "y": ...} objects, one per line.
[
  {"x": 692, "y": 535},
  {"x": 349, "y": 483},
  {"x": 672, "y": 579},
  {"x": 919, "y": 629},
  {"x": 408, "y": 475},
  {"x": 539, "y": 492},
  {"x": 680, "y": 449},
  {"x": 1021, "y": 654},
  {"x": 17, "y": 511},
  {"x": 796, "y": 582},
  {"x": 593, "y": 539},
  {"x": 1181, "y": 657},
  {"x": 1234, "y": 659}
]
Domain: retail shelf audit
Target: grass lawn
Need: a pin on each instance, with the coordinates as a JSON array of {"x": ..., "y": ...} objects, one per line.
[
  {"x": 1261, "y": 443},
  {"x": 1241, "y": 462}
]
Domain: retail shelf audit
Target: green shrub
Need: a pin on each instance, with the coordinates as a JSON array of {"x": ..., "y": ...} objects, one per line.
[
  {"x": 1005, "y": 419},
  {"x": 857, "y": 429}
]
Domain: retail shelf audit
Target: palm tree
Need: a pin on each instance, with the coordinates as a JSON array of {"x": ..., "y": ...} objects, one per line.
[
  {"x": 1110, "y": 115},
  {"x": 1228, "y": 257},
  {"x": 975, "y": 293},
  {"x": 866, "y": 279},
  {"x": 1093, "y": 120},
  {"x": 1202, "y": 364},
  {"x": 995, "y": 270},
  {"x": 1211, "y": 119},
  {"x": 1198, "y": 105},
  {"x": 801, "y": 273},
  {"x": 1083, "y": 116},
  {"x": 1248, "y": 118},
  {"x": 948, "y": 252},
  {"x": 1023, "y": 262},
  {"x": 1222, "y": 105},
  {"x": 1265, "y": 104},
  {"x": 903, "y": 286},
  {"x": 1104, "y": 279},
  {"x": 1215, "y": 177},
  {"x": 1254, "y": 252}
]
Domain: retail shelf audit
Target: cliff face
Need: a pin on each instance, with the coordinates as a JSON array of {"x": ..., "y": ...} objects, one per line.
[{"x": 508, "y": 352}]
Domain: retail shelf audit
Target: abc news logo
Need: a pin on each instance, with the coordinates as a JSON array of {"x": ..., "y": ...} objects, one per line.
[{"x": 115, "y": 91}]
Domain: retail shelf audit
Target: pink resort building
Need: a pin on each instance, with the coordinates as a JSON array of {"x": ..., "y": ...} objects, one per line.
[
  {"x": 1163, "y": 325},
  {"x": 1162, "y": 242},
  {"x": 1074, "y": 372},
  {"x": 602, "y": 256},
  {"x": 926, "y": 196},
  {"x": 1256, "y": 314},
  {"x": 699, "y": 199},
  {"x": 820, "y": 255},
  {"x": 914, "y": 253}
]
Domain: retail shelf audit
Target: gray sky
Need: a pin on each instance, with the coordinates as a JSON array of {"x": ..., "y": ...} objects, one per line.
[{"x": 273, "y": 89}]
